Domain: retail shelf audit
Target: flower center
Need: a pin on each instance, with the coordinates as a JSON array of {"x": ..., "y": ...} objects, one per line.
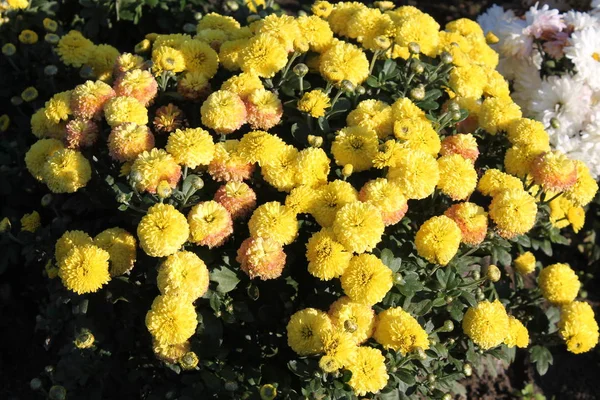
[{"x": 596, "y": 56}]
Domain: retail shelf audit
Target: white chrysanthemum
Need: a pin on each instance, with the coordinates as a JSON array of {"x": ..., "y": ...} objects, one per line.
[
  {"x": 584, "y": 145},
  {"x": 584, "y": 51},
  {"x": 493, "y": 17},
  {"x": 543, "y": 21},
  {"x": 527, "y": 81},
  {"x": 564, "y": 98},
  {"x": 514, "y": 39},
  {"x": 578, "y": 21}
]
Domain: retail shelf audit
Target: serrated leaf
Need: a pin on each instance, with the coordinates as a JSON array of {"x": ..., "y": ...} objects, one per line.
[{"x": 227, "y": 279}]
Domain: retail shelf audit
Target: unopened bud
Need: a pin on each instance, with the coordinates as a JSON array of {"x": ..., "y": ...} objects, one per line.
[
  {"x": 467, "y": 369},
  {"x": 421, "y": 353},
  {"x": 550, "y": 64},
  {"x": 57, "y": 392},
  {"x": 383, "y": 42},
  {"x": 9, "y": 49},
  {"x": 252, "y": 18},
  {"x": 414, "y": 48},
  {"x": 50, "y": 70},
  {"x": 360, "y": 90},
  {"x": 350, "y": 326},
  {"x": 52, "y": 38},
  {"x": 347, "y": 86},
  {"x": 197, "y": 16},
  {"x": 16, "y": 100},
  {"x": 398, "y": 278},
  {"x": 449, "y": 299},
  {"x": 84, "y": 340},
  {"x": 446, "y": 57},
  {"x": 448, "y": 326},
  {"x": 456, "y": 116},
  {"x": 453, "y": 106},
  {"x": 233, "y": 5},
  {"x": 35, "y": 384},
  {"x": 450, "y": 341},
  {"x": 268, "y": 392},
  {"x": 300, "y": 70},
  {"x": 46, "y": 200},
  {"x": 347, "y": 170},
  {"x": 417, "y": 67},
  {"x": 418, "y": 93},
  {"x": 476, "y": 275},
  {"x": 493, "y": 273},
  {"x": 480, "y": 296},
  {"x": 197, "y": 183},
  {"x": 555, "y": 123},
  {"x": 189, "y": 361},
  {"x": 122, "y": 198},
  {"x": 431, "y": 378},
  {"x": 447, "y": 396},
  {"x": 189, "y": 28},
  {"x": 315, "y": 141}
]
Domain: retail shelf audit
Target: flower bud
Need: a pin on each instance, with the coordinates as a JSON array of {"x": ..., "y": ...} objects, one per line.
[
  {"x": 421, "y": 353},
  {"x": 450, "y": 341},
  {"x": 4, "y": 224},
  {"x": 252, "y": 18},
  {"x": 493, "y": 273},
  {"x": 197, "y": 183},
  {"x": 57, "y": 392},
  {"x": 417, "y": 67},
  {"x": 16, "y": 101},
  {"x": 50, "y": 70},
  {"x": 84, "y": 340},
  {"x": 52, "y": 38},
  {"x": 35, "y": 384},
  {"x": 163, "y": 190},
  {"x": 189, "y": 28},
  {"x": 347, "y": 170},
  {"x": 233, "y": 6},
  {"x": 449, "y": 299},
  {"x": 300, "y": 70},
  {"x": 467, "y": 369},
  {"x": 414, "y": 48},
  {"x": 268, "y": 392},
  {"x": 189, "y": 361},
  {"x": 197, "y": 16},
  {"x": 383, "y": 42},
  {"x": 347, "y": 86},
  {"x": 9, "y": 49},
  {"x": 398, "y": 278},
  {"x": 46, "y": 200},
  {"x": 448, "y": 326},
  {"x": 447, "y": 396},
  {"x": 476, "y": 275},
  {"x": 360, "y": 90},
  {"x": 431, "y": 378},
  {"x": 550, "y": 64},
  {"x": 480, "y": 296},
  {"x": 49, "y": 369},
  {"x": 315, "y": 141},
  {"x": 418, "y": 93},
  {"x": 453, "y": 106},
  {"x": 446, "y": 57},
  {"x": 555, "y": 123},
  {"x": 350, "y": 326},
  {"x": 456, "y": 116}
]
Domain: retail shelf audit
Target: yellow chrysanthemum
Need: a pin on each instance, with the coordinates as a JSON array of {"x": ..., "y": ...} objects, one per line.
[
  {"x": 38, "y": 155},
  {"x": 193, "y": 86},
  {"x": 171, "y": 320},
  {"x": 494, "y": 181},
  {"x": 312, "y": 167},
  {"x": 264, "y": 56},
  {"x": 578, "y": 327},
  {"x": 162, "y": 231},
  {"x": 138, "y": 84},
  {"x": 30, "y": 222},
  {"x": 121, "y": 247},
  {"x": 559, "y": 283},
  {"x": 89, "y": 98},
  {"x": 358, "y": 226},
  {"x": 123, "y": 109},
  {"x": 341, "y": 14},
  {"x": 74, "y": 49},
  {"x": 339, "y": 350},
  {"x": 419, "y": 28},
  {"x": 167, "y": 59},
  {"x": 525, "y": 263},
  {"x": 152, "y": 167},
  {"x": 373, "y": 114},
  {"x": 497, "y": 114},
  {"x": 366, "y": 280},
  {"x": 191, "y": 147},
  {"x": 356, "y": 146},
  {"x": 227, "y": 165},
  {"x": 472, "y": 221},
  {"x": 200, "y": 57},
  {"x": 183, "y": 274},
  {"x": 275, "y": 221},
  {"x": 58, "y": 108},
  {"x": 322, "y": 8},
  {"x": 327, "y": 259},
  {"x": 68, "y": 241},
  {"x": 84, "y": 269},
  {"x": 264, "y": 109},
  {"x": 486, "y": 324},
  {"x": 398, "y": 330},
  {"x": 528, "y": 133},
  {"x": 438, "y": 239},
  {"x": 314, "y": 103},
  {"x": 170, "y": 353},
  {"x": 554, "y": 171},
  {"x": 387, "y": 197},
  {"x": 369, "y": 374},
  {"x": 356, "y": 319},
  {"x": 329, "y": 199},
  {"x": 344, "y": 61},
  {"x": 517, "y": 334},
  {"x": 585, "y": 187},
  {"x": 316, "y": 31},
  {"x": 301, "y": 199},
  {"x": 102, "y": 60},
  {"x": 262, "y": 258},
  {"x": 260, "y": 147},
  {"x": 223, "y": 111},
  {"x": 514, "y": 211},
  {"x": 305, "y": 329},
  {"x": 458, "y": 177},
  {"x": 128, "y": 140},
  {"x": 280, "y": 171},
  {"x": 66, "y": 171},
  {"x": 415, "y": 172},
  {"x": 463, "y": 144},
  {"x": 210, "y": 224},
  {"x": 417, "y": 134},
  {"x": 243, "y": 84}
]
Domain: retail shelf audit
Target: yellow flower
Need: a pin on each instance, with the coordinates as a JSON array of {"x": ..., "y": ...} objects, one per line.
[
  {"x": 417, "y": 134},
  {"x": 415, "y": 172},
  {"x": 327, "y": 259},
  {"x": 438, "y": 239},
  {"x": 312, "y": 167},
  {"x": 167, "y": 59},
  {"x": 68, "y": 241},
  {"x": 280, "y": 171},
  {"x": 189, "y": 361},
  {"x": 344, "y": 61},
  {"x": 559, "y": 283},
  {"x": 387, "y": 197},
  {"x": 305, "y": 330},
  {"x": 193, "y": 86},
  {"x": 369, "y": 374},
  {"x": 84, "y": 340},
  {"x": 200, "y": 57},
  {"x": 578, "y": 327},
  {"x": 138, "y": 84},
  {"x": 398, "y": 330},
  {"x": 301, "y": 199},
  {"x": 576, "y": 217},
  {"x": 260, "y": 147},
  {"x": 217, "y": 21},
  {"x": 553, "y": 171},
  {"x": 358, "y": 226},
  {"x": 191, "y": 147},
  {"x": 274, "y": 220},
  {"x": 89, "y": 98},
  {"x": 162, "y": 231},
  {"x": 171, "y": 320},
  {"x": 121, "y": 247},
  {"x": 38, "y": 155},
  {"x": 472, "y": 221},
  {"x": 58, "y": 108},
  {"x": 210, "y": 224},
  {"x": 30, "y": 222},
  {"x": 528, "y": 133},
  {"x": 486, "y": 324},
  {"x": 66, "y": 171},
  {"x": 183, "y": 274},
  {"x": 254, "y": 4},
  {"x": 264, "y": 109},
  {"x": 151, "y": 168},
  {"x": 128, "y": 140},
  {"x": 329, "y": 199},
  {"x": 585, "y": 187},
  {"x": 497, "y": 114},
  {"x": 74, "y": 49},
  {"x": 223, "y": 111},
  {"x": 227, "y": 165},
  {"x": 316, "y": 31},
  {"x": 366, "y": 280},
  {"x": 339, "y": 350},
  {"x": 373, "y": 114},
  {"x": 514, "y": 211},
  {"x": 242, "y": 84},
  {"x": 494, "y": 181},
  {"x": 525, "y": 263},
  {"x": 458, "y": 177},
  {"x": 356, "y": 319},
  {"x": 314, "y": 103},
  {"x": 102, "y": 60},
  {"x": 5, "y": 225},
  {"x": 355, "y": 145},
  {"x": 143, "y": 46},
  {"x": 262, "y": 258},
  {"x": 170, "y": 353},
  {"x": 121, "y": 109},
  {"x": 284, "y": 28},
  {"x": 322, "y": 8},
  {"x": 237, "y": 197},
  {"x": 4, "y": 122},
  {"x": 419, "y": 28},
  {"x": 18, "y": 4},
  {"x": 84, "y": 269},
  {"x": 517, "y": 334},
  {"x": 263, "y": 56},
  {"x": 341, "y": 14},
  {"x": 28, "y": 36}
]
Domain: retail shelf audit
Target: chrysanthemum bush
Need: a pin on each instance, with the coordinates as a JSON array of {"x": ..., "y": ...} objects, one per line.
[{"x": 346, "y": 203}]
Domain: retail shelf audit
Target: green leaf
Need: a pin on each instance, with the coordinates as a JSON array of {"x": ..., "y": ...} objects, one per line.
[
  {"x": 372, "y": 81},
  {"x": 406, "y": 376},
  {"x": 227, "y": 279},
  {"x": 541, "y": 357},
  {"x": 387, "y": 257}
]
